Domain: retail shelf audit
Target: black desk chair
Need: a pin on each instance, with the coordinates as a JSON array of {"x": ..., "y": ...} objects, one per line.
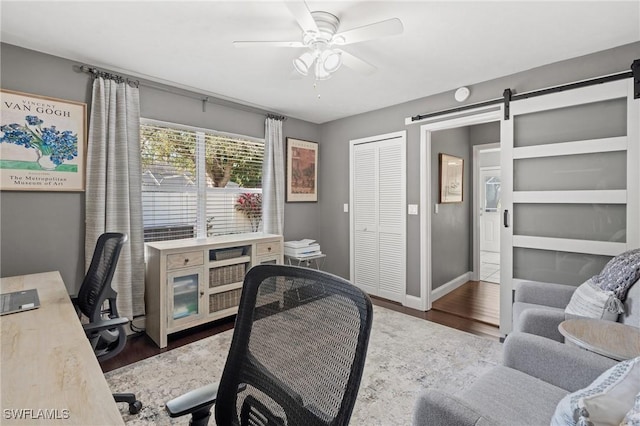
[
  {"x": 297, "y": 353},
  {"x": 105, "y": 329}
]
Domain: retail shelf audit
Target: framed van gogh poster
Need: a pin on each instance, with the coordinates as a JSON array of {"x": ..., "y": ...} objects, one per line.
[
  {"x": 42, "y": 143},
  {"x": 302, "y": 171}
]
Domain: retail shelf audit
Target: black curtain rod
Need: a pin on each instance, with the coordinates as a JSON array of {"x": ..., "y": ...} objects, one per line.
[
  {"x": 277, "y": 117},
  {"x": 176, "y": 91},
  {"x": 508, "y": 95}
]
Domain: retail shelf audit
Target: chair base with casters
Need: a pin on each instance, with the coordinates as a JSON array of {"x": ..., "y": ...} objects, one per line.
[
  {"x": 134, "y": 405},
  {"x": 113, "y": 328},
  {"x": 105, "y": 329}
]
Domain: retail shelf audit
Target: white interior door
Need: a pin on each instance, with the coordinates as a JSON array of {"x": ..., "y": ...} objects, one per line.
[
  {"x": 489, "y": 209},
  {"x": 364, "y": 202},
  {"x": 570, "y": 186},
  {"x": 378, "y": 218}
]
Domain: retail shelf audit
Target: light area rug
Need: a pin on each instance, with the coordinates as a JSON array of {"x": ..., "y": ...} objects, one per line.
[{"x": 405, "y": 355}]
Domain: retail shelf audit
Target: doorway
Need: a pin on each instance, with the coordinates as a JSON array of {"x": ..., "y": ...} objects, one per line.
[{"x": 429, "y": 294}]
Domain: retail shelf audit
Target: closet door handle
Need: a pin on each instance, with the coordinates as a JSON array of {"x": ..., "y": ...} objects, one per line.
[{"x": 505, "y": 217}]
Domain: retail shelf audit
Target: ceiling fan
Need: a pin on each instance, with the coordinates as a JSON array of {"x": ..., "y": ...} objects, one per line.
[{"x": 322, "y": 41}]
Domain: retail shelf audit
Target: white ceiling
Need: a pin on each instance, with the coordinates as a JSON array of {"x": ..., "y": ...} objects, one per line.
[{"x": 445, "y": 45}]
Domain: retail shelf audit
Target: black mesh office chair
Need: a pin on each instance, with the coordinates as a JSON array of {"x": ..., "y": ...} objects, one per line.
[
  {"x": 297, "y": 353},
  {"x": 105, "y": 329}
]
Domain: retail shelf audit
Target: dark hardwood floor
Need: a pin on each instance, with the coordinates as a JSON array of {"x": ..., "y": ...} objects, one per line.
[
  {"x": 464, "y": 310},
  {"x": 476, "y": 300}
]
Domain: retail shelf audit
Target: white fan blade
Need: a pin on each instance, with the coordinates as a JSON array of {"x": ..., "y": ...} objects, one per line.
[
  {"x": 357, "y": 64},
  {"x": 368, "y": 32},
  {"x": 268, "y": 43},
  {"x": 301, "y": 12}
]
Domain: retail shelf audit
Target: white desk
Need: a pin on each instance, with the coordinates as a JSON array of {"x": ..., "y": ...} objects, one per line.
[{"x": 50, "y": 374}]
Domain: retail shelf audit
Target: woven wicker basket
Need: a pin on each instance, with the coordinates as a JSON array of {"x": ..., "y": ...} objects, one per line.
[
  {"x": 225, "y": 300},
  {"x": 226, "y": 275}
]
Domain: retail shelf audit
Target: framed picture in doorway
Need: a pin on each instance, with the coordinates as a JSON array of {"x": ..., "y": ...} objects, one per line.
[
  {"x": 302, "y": 171},
  {"x": 42, "y": 143},
  {"x": 451, "y": 174}
]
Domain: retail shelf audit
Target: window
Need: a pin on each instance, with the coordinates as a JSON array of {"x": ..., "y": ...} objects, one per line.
[{"x": 198, "y": 182}]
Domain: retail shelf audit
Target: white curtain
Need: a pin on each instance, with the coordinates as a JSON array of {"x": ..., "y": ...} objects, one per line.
[
  {"x": 113, "y": 200},
  {"x": 273, "y": 177}
]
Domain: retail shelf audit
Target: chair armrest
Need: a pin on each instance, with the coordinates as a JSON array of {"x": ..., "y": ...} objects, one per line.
[
  {"x": 547, "y": 294},
  {"x": 195, "y": 400},
  {"x": 541, "y": 322},
  {"x": 192, "y": 401},
  {"x": 436, "y": 408},
  {"x": 94, "y": 327},
  {"x": 568, "y": 367}
]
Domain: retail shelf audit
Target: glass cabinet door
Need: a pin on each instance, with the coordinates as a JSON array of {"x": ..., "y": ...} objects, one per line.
[{"x": 184, "y": 296}]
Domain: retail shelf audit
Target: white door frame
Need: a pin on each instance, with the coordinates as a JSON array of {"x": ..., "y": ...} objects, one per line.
[
  {"x": 475, "y": 275},
  {"x": 467, "y": 118}
]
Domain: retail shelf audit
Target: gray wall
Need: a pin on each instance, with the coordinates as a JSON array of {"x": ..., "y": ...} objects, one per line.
[
  {"x": 450, "y": 227},
  {"x": 335, "y": 137},
  {"x": 43, "y": 231}
]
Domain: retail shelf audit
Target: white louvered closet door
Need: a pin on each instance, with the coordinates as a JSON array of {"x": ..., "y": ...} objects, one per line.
[{"x": 378, "y": 221}]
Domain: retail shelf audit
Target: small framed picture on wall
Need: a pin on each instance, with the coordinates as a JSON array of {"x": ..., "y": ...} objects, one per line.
[
  {"x": 451, "y": 174},
  {"x": 302, "y": 171}
]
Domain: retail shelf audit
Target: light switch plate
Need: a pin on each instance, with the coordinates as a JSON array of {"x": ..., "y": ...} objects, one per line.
[
  {"x": 346, "y": 208},
  {"x": 413, "y": 209}
]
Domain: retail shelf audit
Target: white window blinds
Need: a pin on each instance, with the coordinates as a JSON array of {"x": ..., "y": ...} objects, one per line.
[{"x": 199, "y": 179}]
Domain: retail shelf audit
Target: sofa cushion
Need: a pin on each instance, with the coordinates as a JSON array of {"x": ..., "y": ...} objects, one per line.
[
  {"x": 620, "y": 273},
  {"x": 513, "y": 397},
  {"x": 606, "y": 401},
  {"x": 633, "y": 416},
  {"x": 591, "y": 301}
]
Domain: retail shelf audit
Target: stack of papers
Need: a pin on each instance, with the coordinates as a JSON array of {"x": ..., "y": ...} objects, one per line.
[
  {"x": 299, "y": 244},
  {"x": 302, "y": 248}
]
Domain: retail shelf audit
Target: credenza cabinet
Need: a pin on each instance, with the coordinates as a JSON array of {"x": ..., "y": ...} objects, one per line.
[{"x": 192, "y": 282}]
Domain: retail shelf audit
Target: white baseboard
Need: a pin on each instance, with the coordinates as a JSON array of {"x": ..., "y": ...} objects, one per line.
[
  {"x": 413, "y": 302},
  {"x": 450, "y": 286}
]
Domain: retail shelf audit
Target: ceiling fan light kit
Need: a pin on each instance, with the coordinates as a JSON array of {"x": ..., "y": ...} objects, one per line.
[
  {"x": 320, "y": 44},
  {"x": 303, "y": 63},
  {"x": 321, "y": 39}
]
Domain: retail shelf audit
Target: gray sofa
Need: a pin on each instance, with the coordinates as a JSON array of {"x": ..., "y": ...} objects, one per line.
[
  {"x": 535, "y": 375},
  {"x": 538, "y": 308}
]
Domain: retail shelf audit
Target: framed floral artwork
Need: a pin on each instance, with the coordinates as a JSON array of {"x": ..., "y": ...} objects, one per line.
[
  {"x": 42, "y": 143},
  {"x": 302, "y": 171},
  {"x": 451, "y": 174}
]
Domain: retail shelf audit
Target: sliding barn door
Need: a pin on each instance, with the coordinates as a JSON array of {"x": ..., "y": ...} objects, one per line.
[
  {"x": 378, "y": 221},
  {"x": 570, "y": 186}
]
